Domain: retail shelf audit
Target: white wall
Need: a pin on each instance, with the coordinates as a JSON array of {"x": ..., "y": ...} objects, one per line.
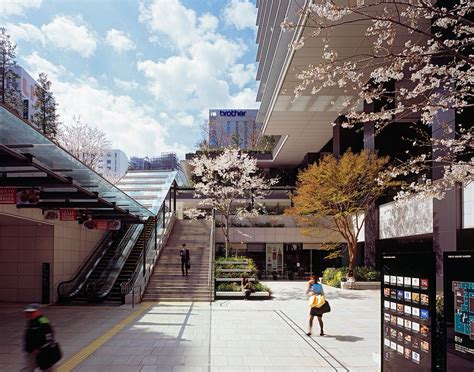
[
  {"x": 468, "y": 207},
  {"x": 64, "y": 244},
  {"x": 413, "y": 217}
]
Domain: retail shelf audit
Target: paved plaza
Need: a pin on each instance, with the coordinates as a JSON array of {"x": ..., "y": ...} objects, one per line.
[{"x": 223, "y": 336}]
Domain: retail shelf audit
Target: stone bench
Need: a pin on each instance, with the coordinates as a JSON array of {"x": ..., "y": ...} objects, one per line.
[
  {"x": 361, "y": 285},
  {"x": 241, "y": 295}
]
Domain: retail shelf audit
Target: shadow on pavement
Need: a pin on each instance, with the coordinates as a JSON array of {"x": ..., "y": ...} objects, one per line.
[{"x": 344, "y": 338}]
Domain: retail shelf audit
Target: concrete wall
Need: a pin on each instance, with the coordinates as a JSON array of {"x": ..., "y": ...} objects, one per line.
[{"x": 25, "y": 245}]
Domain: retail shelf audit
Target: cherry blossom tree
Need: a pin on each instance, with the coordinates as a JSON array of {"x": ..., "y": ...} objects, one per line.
[
  {"x": 229, "y": 182},
  {"x": 417, "y": 67},
  {"x": 85, "y": 142}
]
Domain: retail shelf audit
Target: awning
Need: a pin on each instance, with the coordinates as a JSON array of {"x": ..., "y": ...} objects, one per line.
[{"x": 29, "y": 160}]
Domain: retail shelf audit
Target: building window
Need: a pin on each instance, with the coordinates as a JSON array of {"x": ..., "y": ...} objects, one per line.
[{"x": 109, "y": 161}]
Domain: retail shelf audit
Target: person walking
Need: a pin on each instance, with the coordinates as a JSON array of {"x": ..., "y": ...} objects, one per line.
[
  {"x": 185, "y": 260},
  {"x": 38, "y": 336},
  {"x": 318, "y": 304}
]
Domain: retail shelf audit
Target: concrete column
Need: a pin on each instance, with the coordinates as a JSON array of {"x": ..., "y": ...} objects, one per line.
[
  {"x": 371, "y": 227},
  {"x": 447, "y": 212}
]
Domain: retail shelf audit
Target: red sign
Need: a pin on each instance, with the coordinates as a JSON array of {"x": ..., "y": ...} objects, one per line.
[
  {"x": 101, "y": 225},
  {"x": 67, "y": 214},
  {"x": 7, "y": 196},
  {"x": 107, "y": 225}
]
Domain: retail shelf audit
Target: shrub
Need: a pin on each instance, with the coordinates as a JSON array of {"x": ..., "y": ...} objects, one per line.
[
  {"x": 259, "y": 287},
  {"x": 334, "y": 276},
  {"x": 228, "y": 287}
]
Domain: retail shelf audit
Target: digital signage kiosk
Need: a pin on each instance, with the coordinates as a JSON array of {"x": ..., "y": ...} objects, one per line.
[
  {"x": 408, "y": 311},
  {"x": 459, "y": 310}
]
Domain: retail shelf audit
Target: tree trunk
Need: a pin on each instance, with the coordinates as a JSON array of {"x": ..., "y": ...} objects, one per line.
[
  {"x": 352, "y": 250},
  {"x": 226, "y": 236}
]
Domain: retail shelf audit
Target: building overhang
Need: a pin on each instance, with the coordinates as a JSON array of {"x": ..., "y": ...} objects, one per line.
[{"x": 30, "y": 161}]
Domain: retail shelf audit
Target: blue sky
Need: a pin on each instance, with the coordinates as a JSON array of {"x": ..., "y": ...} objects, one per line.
[{"x": 146, "y": 72}]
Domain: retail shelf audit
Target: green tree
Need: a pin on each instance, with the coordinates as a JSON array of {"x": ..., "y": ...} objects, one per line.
[
  {"x": 341, "y": 191},
  {"x": 45, "y": 116},
  {"x": 9, "y": 89}
]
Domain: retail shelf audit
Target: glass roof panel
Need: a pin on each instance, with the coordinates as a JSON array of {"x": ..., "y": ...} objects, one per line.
[{"x": 13, "y": 131}]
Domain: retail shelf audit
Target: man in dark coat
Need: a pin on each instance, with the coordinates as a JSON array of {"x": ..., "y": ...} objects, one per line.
[
  {"x": 185, "y": 259},
  {"x": 38, "y": 332}
]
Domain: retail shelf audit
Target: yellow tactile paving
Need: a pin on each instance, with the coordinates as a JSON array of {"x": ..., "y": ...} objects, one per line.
[{"x": 82, "y": 355}]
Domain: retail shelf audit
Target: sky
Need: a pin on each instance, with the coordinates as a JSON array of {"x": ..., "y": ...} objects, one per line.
[{"x": 146, "y": 72}]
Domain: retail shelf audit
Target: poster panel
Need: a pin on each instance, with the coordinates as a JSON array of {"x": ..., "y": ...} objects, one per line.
[
  {"x": 408, "y": 311},
  {"x": 7, "y": 196},
  {"x": 459, "y": 310},
  {"x": 67, "y": 214}
]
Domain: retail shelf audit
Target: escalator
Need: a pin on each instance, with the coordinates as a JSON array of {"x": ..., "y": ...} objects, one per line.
[
  {"x": 132, "y": 262},
  {"x": 76, "y": 290},
  {"x": 115, "y": 260}
]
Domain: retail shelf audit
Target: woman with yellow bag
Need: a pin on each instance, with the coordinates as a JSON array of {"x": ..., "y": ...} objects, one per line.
[{"x": 318, "y": 304}]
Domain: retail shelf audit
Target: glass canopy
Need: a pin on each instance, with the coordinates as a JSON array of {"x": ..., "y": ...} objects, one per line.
[
  {"x": 24, "y": 139},
  {"x": 149, "y": 187}
]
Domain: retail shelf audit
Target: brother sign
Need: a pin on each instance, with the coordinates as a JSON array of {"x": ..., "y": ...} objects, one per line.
[{"x": 232, "y": 113}]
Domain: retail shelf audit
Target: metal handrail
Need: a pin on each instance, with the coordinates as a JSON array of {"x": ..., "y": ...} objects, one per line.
[
  {"x": 139, "y": 278},
  {"x": 104, "y": 284},
  {"x": 212, "y": 252},
  {"x": 70, "y": 288},
  {"x": 125, "y": 287}
]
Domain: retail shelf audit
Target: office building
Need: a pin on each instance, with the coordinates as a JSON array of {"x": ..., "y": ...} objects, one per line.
[
  {"x": 113, "y": 163},
  {"x": 233, "y": 127}
]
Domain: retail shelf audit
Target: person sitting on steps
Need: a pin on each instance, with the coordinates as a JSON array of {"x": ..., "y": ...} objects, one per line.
[{"x": 246, "y": 288}]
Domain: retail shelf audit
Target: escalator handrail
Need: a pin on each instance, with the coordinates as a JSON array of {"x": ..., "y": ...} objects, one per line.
[
  {"x": 70, "y": 288},
  {"x": 102, "y": 287},
  {"x": 125, "y": 287}
]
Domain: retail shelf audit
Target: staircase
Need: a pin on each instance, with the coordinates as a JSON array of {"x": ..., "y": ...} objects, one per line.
[{"x": 167, "y": 282}]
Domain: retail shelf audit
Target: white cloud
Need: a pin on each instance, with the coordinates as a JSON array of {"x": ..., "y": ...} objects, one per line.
[
  {"x": 70, "y": 33},
  {"x": 128, "y": 124},
  {"x": 17, "y": 7},
  {"x": 39, "y": 64},
  {"x": 198, "y": 76},
  {"x": 242, "y": 74},
  {"x": 241, "y": 14},
  {"x": 25, "y": 31},
  {"x": 179, "y": 23},
  {"x": 119, "y": 40},
  {"x": 244, "y": 99},
  {"x": 125, "y": 85}
]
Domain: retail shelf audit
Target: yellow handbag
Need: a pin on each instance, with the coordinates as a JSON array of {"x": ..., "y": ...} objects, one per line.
[{"x": 317, "y": 301}]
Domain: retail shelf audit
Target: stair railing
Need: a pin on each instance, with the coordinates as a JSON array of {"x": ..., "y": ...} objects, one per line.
[
  {"x": 69, "y": 288},
  {"x": 141, "y": 276},
  {"x": 101, "y": 288},
  {"x": 212, "y": 254}
]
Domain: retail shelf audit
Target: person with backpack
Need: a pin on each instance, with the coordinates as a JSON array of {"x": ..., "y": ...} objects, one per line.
[
  {"x": 41, "y": 351},
  {"x": 318, "y": 304}
]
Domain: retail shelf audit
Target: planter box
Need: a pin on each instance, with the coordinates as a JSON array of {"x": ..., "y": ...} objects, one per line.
[
  {"x": 361, "y": 285},
  {"x": 233, "y": 279},
  {"x": 232, "y": 263},
  {"x": 240, "y": 295},
  {"x": 234, "y": 270}
]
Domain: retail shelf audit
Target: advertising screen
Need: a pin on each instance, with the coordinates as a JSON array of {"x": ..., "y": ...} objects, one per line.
[
  {"x": 459, "y": 310},
  {"x": 408, "y": 311}
]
